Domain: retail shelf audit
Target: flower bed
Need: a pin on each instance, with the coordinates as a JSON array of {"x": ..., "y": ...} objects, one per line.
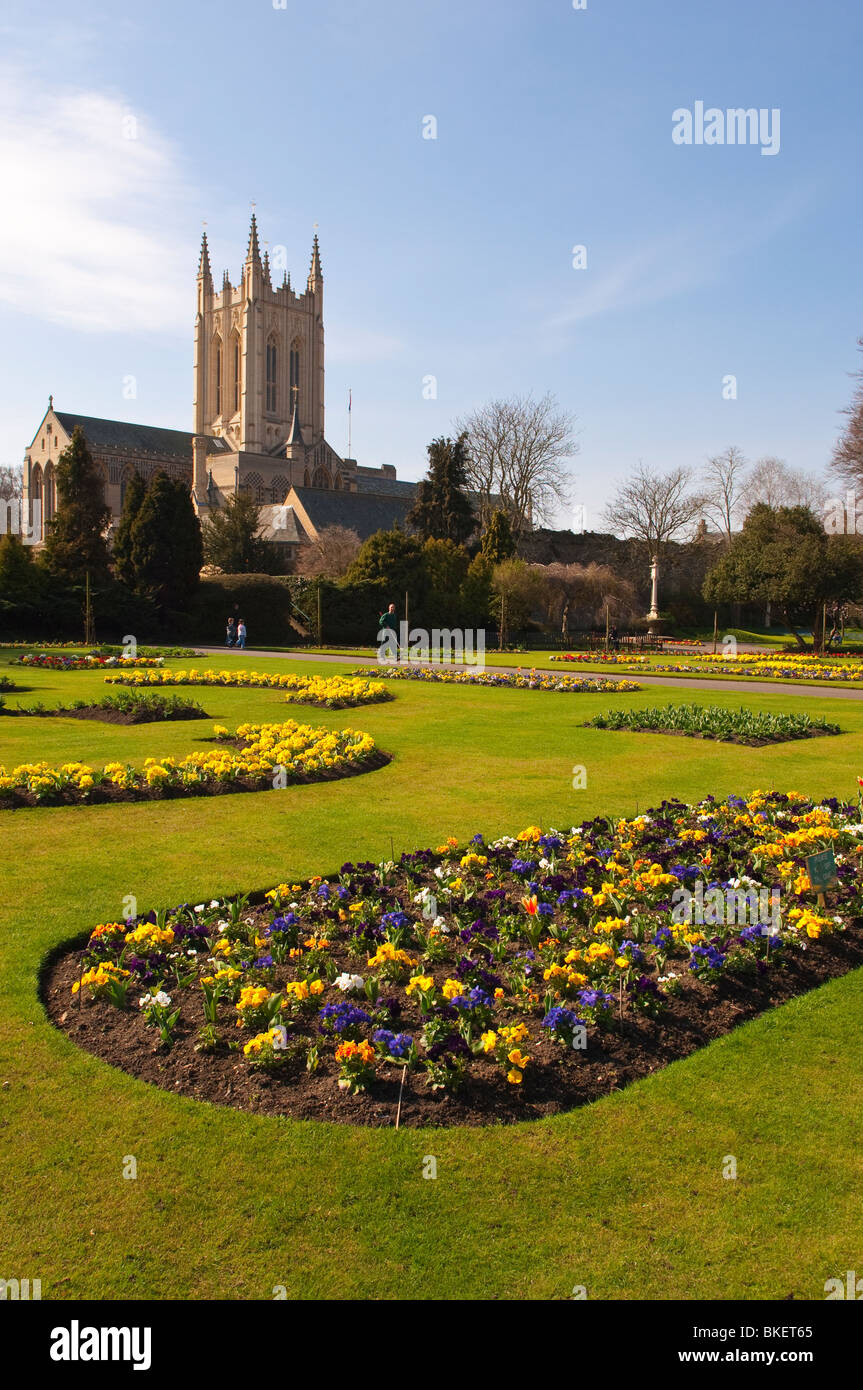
[
  {"x": 752, "y": 727},
  {"x": 498, "y": 980},
  {"x": 598, "y": 657},
  {"x": 768, "y": 667},
  {"x": 256, "y": 758},
  {"x": 47, "y": 661},
  {"x": 521, "y": 680},
  {"x": 327, "y": 692},
  {"x": 127, "y": 707}
]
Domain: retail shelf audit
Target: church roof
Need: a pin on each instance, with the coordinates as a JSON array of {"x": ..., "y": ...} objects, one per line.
[
  {"x": 361, "y": 512},
  {"x": 145, "y": 439},
  {"x": 381, "y": 485},
  {"x": 279, "y": 523}
]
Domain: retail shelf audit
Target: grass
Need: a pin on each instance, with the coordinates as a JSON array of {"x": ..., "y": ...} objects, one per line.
[{"x": 625, "y": 1197}]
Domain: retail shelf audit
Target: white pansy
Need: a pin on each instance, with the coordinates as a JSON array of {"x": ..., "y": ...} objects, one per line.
[
  {"x": 349, "y": 984},
  {"x": 148, "y": 999}
]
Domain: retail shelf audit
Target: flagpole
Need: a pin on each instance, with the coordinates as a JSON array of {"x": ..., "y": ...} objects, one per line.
[{"x": 350, "y": 401}]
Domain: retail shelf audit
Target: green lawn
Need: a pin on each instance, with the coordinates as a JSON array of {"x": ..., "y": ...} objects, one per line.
[{"x": 625, "y": 1197}]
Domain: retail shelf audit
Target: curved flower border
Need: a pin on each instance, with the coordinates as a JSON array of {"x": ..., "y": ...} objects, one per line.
[
  {"x": 490, "y": 958},
  {"x": 504, "y": 680},
  {"x": 326, "y": 692},
  {"x": 271, "y": 756}
]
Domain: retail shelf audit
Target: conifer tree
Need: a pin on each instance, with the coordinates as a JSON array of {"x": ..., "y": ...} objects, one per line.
[
  {"x": 75, "y": 544},
  {"x": 166, "y": 551},
  {"x": 497, "y": 543},
  {"x": 231, "y": 540},
  {"x": 122, "y": 552},
  {"x": 442, "y": 510}
]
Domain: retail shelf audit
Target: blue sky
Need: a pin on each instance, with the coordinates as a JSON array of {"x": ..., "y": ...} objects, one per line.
[{"x": 449, "y": 257}]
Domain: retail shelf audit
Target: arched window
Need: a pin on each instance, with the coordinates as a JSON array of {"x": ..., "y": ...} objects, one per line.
[
  {"x": 272, "y": 368},
  {"x": 278, "y": 490},
  {"x": 295, "y": 372},
  {"x": 338, "y": 483},
  {"x": 217, "y": 355},
  {"x": 238, "y": 371},
  {"x": 50, "y": 492},
  {"x": 307, "y": 482},
  {"x": 321, "y": 478},
  {"x": 36, "y": 518}
]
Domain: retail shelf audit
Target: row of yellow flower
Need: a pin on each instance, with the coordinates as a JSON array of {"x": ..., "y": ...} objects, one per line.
[
  {"x": 803, "y": 666},
  {"x": 335, "y": 691},
  {"x": 289, "y": 750}
]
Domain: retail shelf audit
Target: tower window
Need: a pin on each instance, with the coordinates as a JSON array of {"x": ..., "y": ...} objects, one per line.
[
  {"x": 237, "y": 373},
  {"x": 272, "y": 363},
  {"x": 295, "y": 373},
  {"x": 219, "y": 377}
]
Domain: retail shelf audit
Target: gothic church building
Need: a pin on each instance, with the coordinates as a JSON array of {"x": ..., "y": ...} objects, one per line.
[{"x": 258, "y": 418}]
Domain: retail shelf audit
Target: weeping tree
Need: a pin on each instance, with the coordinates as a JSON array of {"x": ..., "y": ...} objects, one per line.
[
  {"x": 518, "y": 590},
  {"x": 589, "y": 591}
]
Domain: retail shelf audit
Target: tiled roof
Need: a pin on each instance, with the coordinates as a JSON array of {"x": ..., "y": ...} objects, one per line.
[
  {"x": 279, "y": 524},
  {"x": 364, "y": 513},
  {"x": 145, "y": 439},
  {"x": 384, "y": 486}
]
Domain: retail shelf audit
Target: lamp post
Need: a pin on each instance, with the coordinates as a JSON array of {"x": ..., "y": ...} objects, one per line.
[{"x": 653, "y": 615}]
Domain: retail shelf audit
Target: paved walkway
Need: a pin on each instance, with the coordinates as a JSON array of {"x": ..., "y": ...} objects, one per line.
[{"x": 681, "y": 682}]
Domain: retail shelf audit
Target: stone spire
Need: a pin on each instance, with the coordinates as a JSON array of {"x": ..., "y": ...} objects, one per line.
[
  {"x": 204, "y": 272},
  {"x": 316, "y": 277},
  {"x": 253, "y": 251}
]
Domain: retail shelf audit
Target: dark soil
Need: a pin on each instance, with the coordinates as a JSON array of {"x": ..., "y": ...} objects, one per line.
[
  {"x": 553, "y": 1082},
  {"x": 98, "y": 796},
  {"x": 716, "y": 738},
  {"x": 110, "y": 716}
]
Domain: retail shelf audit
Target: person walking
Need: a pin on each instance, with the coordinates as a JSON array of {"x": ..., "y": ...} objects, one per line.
[
  {"x": 241, "y": 634},
  {"x": 230, "y": 633},
  {"x": 388, "y": 619}
]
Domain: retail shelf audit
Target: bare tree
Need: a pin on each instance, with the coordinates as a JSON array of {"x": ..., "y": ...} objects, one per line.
[
  {"x": 655, "y": 508},
  {"x": 772, "y": 481},
  {"x": 847, "y": 461},
  {"x": 723, "y": 481},
  {"x": 331, "y": 555},
  {"x": 11, "y": 481},
  {"x": 518, "y": 450}
]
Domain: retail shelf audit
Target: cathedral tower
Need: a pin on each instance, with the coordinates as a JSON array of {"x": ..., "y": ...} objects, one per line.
[{"x": 259, "y": 352}]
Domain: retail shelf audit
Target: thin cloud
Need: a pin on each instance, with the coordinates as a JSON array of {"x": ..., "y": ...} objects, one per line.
[
  {"x": 95, "y": 235},
  {"x": 691, "y": 257}
]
